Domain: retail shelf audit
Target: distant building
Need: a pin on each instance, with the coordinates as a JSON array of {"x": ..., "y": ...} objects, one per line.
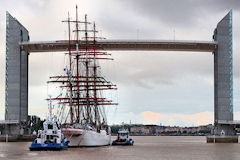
[
  {"x": 152, "y": 130},
  {"x": 140, "y": 130}
]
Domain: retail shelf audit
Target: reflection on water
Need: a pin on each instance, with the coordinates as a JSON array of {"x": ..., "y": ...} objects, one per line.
[{"x": 150, "y": 148}]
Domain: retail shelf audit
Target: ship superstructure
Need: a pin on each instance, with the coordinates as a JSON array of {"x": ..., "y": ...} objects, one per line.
[
  {"x": 123, "y": 138},
  {"x": 51, "y": 137}
]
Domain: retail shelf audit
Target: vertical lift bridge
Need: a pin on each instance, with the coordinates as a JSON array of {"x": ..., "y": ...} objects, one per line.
[{"x": 18, "y": 48}]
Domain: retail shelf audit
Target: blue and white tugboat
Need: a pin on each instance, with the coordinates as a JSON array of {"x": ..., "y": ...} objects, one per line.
[
  {"x": 123, "y": 138},
  {"x": 51, "y": 137}
]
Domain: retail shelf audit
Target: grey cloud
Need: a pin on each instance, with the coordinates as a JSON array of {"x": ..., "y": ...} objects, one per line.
[
  {"x": 180, "y": 13},
  {"x": 44, "y": 65},
  {"x": 147, "y": 69},
  {"x": 156, "y": 18}
]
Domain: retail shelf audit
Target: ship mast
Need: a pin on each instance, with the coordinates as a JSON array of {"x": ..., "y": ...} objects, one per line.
[
  {"x": 95, "y": 74},
  {"x": 77, "y": 59},
  {"x": 50, "y": 109},
  {"x": 83, "y": 79},
  {"x": 87, "y": 70},
  {"x": 70, "y": 68},
  {"x": 69, "y": 71}
]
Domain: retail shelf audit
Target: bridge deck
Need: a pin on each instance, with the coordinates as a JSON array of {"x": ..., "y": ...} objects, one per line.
[{"x": 131, "y": 45}]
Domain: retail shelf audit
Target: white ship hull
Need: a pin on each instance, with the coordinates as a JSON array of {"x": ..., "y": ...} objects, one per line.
[{"x": 82, "y": 137}]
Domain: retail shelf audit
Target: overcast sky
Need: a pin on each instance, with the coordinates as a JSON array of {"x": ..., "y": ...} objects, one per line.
[{"x": 171, "y": 88}]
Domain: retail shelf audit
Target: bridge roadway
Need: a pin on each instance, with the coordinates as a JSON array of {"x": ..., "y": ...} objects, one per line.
[{"x": 124, "y": 45}]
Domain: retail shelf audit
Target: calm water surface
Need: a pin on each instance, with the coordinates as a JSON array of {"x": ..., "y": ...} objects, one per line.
[{"x": 150, "y": 148}]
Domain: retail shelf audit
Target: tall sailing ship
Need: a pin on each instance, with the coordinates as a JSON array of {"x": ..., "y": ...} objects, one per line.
[{"x": 84, "y": 123}]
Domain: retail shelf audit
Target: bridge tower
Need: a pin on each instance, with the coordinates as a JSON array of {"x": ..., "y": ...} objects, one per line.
[
  {"x": 16, "y": 78},
  {"x": 224, "y": 129}
]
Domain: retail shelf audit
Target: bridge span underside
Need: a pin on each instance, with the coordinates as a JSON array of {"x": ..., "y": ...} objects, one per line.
[{"x": 126, "y": 45}]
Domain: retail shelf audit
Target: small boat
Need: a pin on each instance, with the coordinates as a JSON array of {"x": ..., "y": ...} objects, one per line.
[
  {"x": 123, "y": 138},
  {"x": 51, "y": 137}
]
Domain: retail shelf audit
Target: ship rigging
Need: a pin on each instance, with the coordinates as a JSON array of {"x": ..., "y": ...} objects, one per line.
[{"x": 83, "y": 84}]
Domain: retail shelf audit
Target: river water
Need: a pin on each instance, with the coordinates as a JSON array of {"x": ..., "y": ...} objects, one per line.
[{"x": 145, "y": 148}]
